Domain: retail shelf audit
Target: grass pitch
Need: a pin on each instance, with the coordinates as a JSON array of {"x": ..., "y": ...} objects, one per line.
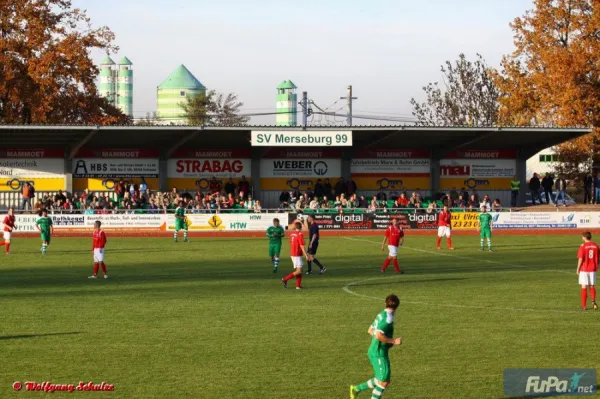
[{"x": 209, "y": 319}]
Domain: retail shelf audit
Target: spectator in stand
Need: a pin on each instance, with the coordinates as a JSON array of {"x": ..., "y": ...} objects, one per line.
[
  {"x": 89, "y": 210},
  {"x": 597, "y": 188},
  {"x": 515, "y": 188},
  {"x": 337, "y": 204},
  {"x": 418, "y": 194},
  {"x": 401, "y": 201},
  {"x": 415, "y": 200},
  {"x": 257, "y": 207},
  {"x": 340, "y": 187},
  {"x": 27, "y": 194},
  {"x": 38, "y": 206},
  {"x": 362, "y": 202},
  {"x": 496, "y": 206},
  {"x": 588, "y": 188},
  {"x": 351, "y": 187},
  {"x": 448, "y": 201},
  {"x": 173, "y": 195},
  {"x": 344, "y": 201},
  {"x": 230, "y": 187},
  {"x": 319, "y": 190},
  {"x": 381, "y": 196},
  {"x": 327, "y": 189},
  {"x": 487, "y": 200},
  {"x": 487, "y": 205},
  {"x": 547, "y": 184},
  {"x": 60, "y": 197},
  {"x": 244, "y": 185},
  {"x": 454, "y": 194},
  {"x": 373, "y": 205},
  {"x": 250, "y": 202},
  {"x": 464, "y": 193},
  {"x": 143, "y": 186},
  {"x": 476, "y": 194},
  {"x": 120, "y": 189},
  {"x": 561, "y": 191},
  {"x": 460, "y": 202},
  {"x": 534, "y": 188},
  {"x": 284, "y": 199},
  {"x": 295, "y": 195},
  {"x": 314, "y": 204},
  {"x": 431, "y": 207},
  {"x": 214, "y": 186},
  {"x": 300, "y": 204},
  {"x": 132, "y": 188},
  {"x": 473, "y": 203}
]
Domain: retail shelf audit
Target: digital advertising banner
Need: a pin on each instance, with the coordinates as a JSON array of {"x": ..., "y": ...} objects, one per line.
[
  {"x": 191, "y": 168},
  {"x": 44, "y": 169},
  {"x": 102, "y": 169}
]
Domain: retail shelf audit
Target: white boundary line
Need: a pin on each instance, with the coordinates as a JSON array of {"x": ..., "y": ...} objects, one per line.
[{"x": 348, "y": 290}]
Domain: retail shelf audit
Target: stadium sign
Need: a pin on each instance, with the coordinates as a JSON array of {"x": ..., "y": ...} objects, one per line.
[
  {"x": 228, "y": 221},
  {"x": 295, "y": 138},
  {"x": 478, "y": 169},
  {"x": 43, "y": 169}
]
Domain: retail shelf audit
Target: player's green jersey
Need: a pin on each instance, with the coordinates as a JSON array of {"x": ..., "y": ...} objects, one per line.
[
  {"x": 384, "y": 322},
  {"x": 485, "y": 221},
  {"x": 180, "y": 212},
  {"x": 275, "y": 234},
  {"x": 45, "y": 223}
]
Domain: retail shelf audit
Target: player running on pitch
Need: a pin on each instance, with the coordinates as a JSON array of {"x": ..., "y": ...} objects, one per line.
[
  {"x": 394, "y": 237},
  {"x": 382, "y": 331},
  {"x": 98, "y": 249},
  {"x": 313, "y": 245},
  {"x": 485, "y": 228},
  {"x": 587, "y": 266},
  {"x": 296, "y": 252},
  {"x": 180, "y": 222},
  {"x": 275, "y": 233},
  {"x": 46, "y": 228},
  {"x": 445, "y": 227},
  {"x": 9, "y": 226}
]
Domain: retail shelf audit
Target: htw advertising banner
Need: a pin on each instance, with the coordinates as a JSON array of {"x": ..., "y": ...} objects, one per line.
[
  {"x": 43, "y": 169},
  {"x": 478, "y": 169},
  {"x": 394, "y": 170},
  {"x": 103, "y": 169},
  {"x": 190, "y": 168},
  {"x": 298, "y": 169}
]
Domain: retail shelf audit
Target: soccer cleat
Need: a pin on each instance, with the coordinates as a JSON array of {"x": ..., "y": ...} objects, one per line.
[
  {"x": 438, "y": 248},
  {"x": 299, "y": 288},
  {"x": 323, "y": 270},
  {"x": 284, "y": 283},
  {"x": 451, "y": 248},
  {"x": 595, "y": 306},
  {"x": 353, "y": 392},
  {"x": 490, "y": 250},
  {"x": 275, "y": 270},
  {"x": 186, "y": 240},
  {"x": 105, "y": 276},
  {"x": 175, "y": 240},
  {"x": 402, "y": 272},
  {"x": 93, "y": 276},
  {"x": 308, "y": 273}
]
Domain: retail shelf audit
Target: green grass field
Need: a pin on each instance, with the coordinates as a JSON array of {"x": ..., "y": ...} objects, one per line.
[{"x": 209, "y": 319}]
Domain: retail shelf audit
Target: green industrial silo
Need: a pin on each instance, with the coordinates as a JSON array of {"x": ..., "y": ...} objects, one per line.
[{"x": 175, "y": 90}]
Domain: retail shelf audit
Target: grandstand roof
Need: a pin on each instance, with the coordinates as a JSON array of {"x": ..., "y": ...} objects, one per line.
[{"x": 438, "y": 139}]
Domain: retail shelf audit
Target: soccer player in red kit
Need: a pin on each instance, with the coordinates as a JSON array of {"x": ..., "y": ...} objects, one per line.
[
  {"x": 9, "y": 225},
  {"x": 587, "y": 266},
  {"x": 394, "y": 236},
  {"x": 296, "y": 251},
  {"x": 98, "y": 249},
  {"x": 445, "y": 227}
]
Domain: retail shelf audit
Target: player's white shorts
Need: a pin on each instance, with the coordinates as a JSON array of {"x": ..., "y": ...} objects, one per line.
[
  {"x": 7, "y": 235},
  {"x": 444, "y": 231},
  {"x": 98, "y": 255},
  {"x": 297, "y": 262},
  {"x": 587, "y": 278},
  {"x": 393, "y": 250}
]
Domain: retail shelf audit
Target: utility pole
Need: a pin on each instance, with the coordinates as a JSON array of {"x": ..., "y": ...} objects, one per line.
[
  {"x": 304, "y": 105},
  {"x": 349, "y": 99}
]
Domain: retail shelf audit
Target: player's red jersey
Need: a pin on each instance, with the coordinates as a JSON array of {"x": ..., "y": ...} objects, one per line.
[
  {"x": 99, "y": 239},
  {"x": 445, "y": 219},
  {"x": 588, "y": 252},
  {"x": 9, "y": 223},
  {"x": 296, "y": 243},
  {"x": 394, "y": 233}
]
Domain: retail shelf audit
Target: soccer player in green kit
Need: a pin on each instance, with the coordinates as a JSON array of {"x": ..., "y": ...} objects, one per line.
[
  {"x": 382, "y": 331},
  {"x": 44, "y": 225},
  {"x": 275, "y": 233},
  {"x": 485, "y": 227},
  {"x": 180, "y": 222}
]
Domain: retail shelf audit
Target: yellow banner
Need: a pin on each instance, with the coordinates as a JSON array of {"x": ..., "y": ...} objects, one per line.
[
  {"x": 485, "y": 183},
  {"x": 95, "y": 184},
  {"x": 39, "y": 184},
  {"x": 465, "y": 220},
  {"x": 392, "y": 183},
  {"x": 193, "y": 183}
]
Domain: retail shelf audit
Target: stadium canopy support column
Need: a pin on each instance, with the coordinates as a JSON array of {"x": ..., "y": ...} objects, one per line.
[
  {"x": 257, "y": 155},
  {"x": 163, "y": 166},
  {"x": 68, "y": 175},
  {"x": 346, "y": 163},
  {"x": 435, "y": 173},
  {"x": 521, "y": 170}
]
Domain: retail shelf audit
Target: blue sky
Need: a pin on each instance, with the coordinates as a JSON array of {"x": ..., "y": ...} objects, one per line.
[{"x": 387, "y": 50}]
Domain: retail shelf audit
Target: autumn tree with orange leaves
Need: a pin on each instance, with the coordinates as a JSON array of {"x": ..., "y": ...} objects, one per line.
[
  {"x": 46, "y": 72},
  {"x": 553, "y": 76}
]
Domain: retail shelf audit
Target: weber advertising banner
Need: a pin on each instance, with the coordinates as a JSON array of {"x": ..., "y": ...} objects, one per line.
[
  {"x": 80, "y": 222},
  {"x": 43, "y": 169},
  {"x": 478, "y": 169},
  {"x": 102, "y": 169},
  {"x": 190, "y": 168},
  {"x": 394, "y": 170},
  {"x": 299, "y": 169}
]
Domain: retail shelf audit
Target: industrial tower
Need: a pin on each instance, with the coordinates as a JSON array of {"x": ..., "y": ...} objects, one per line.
[
  {"x": 116, "y": 83},
  {"x": 287, "y": 104},
  {"x": 173, "y": 91}
]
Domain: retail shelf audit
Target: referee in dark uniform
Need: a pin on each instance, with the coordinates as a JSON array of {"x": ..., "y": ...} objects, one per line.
[{"x": 313, "y": 245}]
